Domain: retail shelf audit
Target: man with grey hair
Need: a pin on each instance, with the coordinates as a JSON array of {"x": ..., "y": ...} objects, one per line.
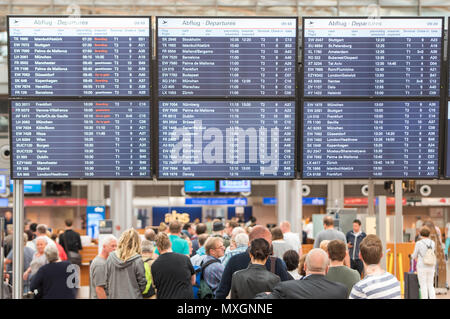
[
  {"x": 97, "y": 269},
  {"x": 240, "y": 242},
  {"x": 56, "y": 279},
  {"x": 148, "y": 251},
  {"x": 41, "y": 231},
  {"x": 312, "y": 286}
]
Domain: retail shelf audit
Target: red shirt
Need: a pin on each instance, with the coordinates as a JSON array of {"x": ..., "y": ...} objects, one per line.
[{"x": 61, "y": 252}]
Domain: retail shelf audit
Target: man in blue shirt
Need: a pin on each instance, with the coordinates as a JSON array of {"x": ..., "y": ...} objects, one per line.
[
  {"x": 212, "y": 274},
  {"x": 354, "y": 239}
]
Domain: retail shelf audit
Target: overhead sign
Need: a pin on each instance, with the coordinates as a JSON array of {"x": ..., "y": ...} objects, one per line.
[
  {"x": 216, "y": 201},
  {"x": 94, "y": 214},
  {"x": 364, "y": 201},
  {"x": 305, "y": 201}
]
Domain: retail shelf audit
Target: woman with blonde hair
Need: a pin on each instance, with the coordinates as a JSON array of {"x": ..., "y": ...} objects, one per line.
[{"x": 125, "y": 271}]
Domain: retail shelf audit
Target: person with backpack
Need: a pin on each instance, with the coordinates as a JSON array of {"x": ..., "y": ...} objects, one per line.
[
  {"x": 148, "y": 257},
  {"x": 247, "y": 283},
  {"x": 125, "y": 270},
  {"x": 212, "y": 268},
  {"x": 424, "y": 252}
]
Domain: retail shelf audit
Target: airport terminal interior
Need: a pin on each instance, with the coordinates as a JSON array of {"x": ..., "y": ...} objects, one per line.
[{"x": 137, "y": 113}]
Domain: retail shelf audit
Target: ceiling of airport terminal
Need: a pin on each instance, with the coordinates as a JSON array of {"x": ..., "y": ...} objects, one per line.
[{"x": 227, "y": 7}]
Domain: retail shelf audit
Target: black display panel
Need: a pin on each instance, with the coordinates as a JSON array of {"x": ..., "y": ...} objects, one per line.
[
  {"x": 226, "y": 139},
  {"x": 360, "y": 57},
  {"x": 370, "y": 139},
  {"x": 80, "y": 139},
  {"x": 84, "y": 56},
  {"x": 226, "y": 57}
]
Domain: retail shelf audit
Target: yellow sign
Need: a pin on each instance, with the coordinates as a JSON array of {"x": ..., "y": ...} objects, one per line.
[{"x": 182, "y": 218}]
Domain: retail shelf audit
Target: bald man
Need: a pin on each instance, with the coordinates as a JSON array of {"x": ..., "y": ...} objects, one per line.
[
  {"x": 313, "y": 286},
  {"x": 241, "y": 261}
]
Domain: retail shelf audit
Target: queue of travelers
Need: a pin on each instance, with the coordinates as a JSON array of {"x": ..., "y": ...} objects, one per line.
[{"x": 220, "y": 260}]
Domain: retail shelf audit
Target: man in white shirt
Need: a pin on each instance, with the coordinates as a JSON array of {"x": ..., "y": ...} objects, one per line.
[
  {"x": 291, "y": 238},
  {"x": 309, "y": 228}
]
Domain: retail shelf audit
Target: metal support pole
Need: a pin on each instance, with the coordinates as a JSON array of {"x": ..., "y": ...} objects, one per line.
[
  {"x": 283, "y": 204},
  {"x": 2, "y": 253},
  {"x": 398, "y": 219},
  {"x": 381, "y": 227},
  {"x": 18, "y": 221},
  {"x": 371, "y": 198},
  {"x": 295, "y": 214}
]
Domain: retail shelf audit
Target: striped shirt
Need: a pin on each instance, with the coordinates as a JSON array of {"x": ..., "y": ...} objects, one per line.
[{"x": 384, "y": 286}]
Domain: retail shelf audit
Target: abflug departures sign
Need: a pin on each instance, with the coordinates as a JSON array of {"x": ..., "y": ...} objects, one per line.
[
  {"x": 54, "y": 60},
  {"x": 223, "y": 57},
  {"x": 206, "y": 66},
  {"x": 87, "y": 56},
  {"x": 357, "y": 57}
]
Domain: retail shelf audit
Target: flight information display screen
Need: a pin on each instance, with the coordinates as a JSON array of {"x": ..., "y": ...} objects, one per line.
[
  {"x": 225, "y": 139},
  {"x": 223, "y": 57},
  {"x": 372, "y": 57},
  {"x": 80, "y": 139},
  {"x": 370, "y": 139},
  {"x": 85, "y": 56}
]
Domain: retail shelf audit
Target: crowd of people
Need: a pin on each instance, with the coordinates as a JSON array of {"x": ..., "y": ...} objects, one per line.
[
  {"x": 230, "y": 260},
  {"x": 48, "y": 260},
  {"x": 219, "y": 260}
]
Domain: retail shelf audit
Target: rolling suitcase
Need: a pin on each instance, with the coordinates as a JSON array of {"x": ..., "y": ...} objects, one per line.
[
  {"x": 411, "y": 286},
  {"x": 411, "y": 281}
]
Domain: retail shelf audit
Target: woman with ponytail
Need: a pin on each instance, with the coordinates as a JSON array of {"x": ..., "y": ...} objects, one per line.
[
  {"x": 125, "y": 271},
  {"x": 247, "y": 283}
]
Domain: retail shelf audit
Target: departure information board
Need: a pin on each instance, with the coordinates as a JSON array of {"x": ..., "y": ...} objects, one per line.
[
  {"x": 225, "y": 139},
  {"x": 368, "y": 139},
  {"x": 86, "y": 56},
  {"x": 80, "y": 139},
  {"x": 223, "y": 57},
  {"x": 372, "y": 57}
]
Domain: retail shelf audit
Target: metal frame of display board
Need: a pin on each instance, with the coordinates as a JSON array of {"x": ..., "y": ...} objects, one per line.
[
  {"x": 295, "y": 99},
  {"x": 18, "y": 240},
  {"x": 63, "y": 97}
]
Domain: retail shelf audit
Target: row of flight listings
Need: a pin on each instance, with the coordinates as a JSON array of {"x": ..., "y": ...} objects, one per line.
[{"x": 80, "y": 91}]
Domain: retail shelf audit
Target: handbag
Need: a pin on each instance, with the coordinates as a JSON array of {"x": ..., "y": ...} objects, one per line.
[{"x": 72, "y": 256}]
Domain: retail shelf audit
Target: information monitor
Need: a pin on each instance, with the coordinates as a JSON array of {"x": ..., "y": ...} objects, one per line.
[
  {"x": 226, "y": 139},
  {"x": 226, "y": 57},
  {"x": 370, "y": 139},
  {"x": 357, "y": 57},
  {"x": 79, "y": 56},
  {"x": 80, "y": 139}
]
